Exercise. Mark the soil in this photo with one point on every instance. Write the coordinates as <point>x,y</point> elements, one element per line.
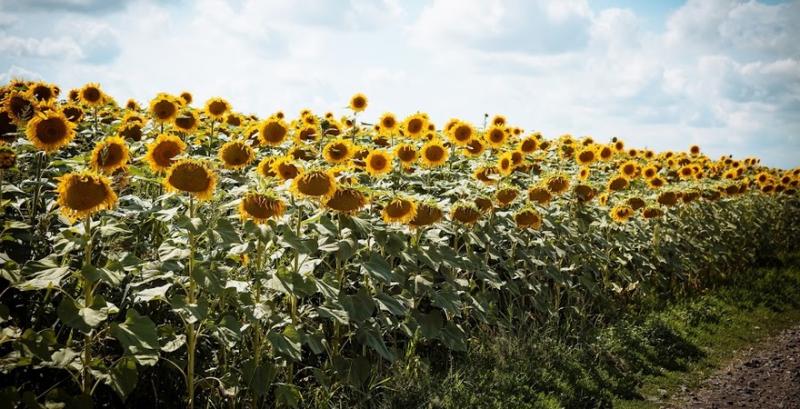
<point>765,376</point>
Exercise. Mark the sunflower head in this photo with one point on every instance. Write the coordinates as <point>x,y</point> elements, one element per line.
<point>540,194</point>
<point>161,152</point>
<point>465,212</point>
<point>415,126</point>
<point>73,112</point>
<point>164,108</point>
<point>557,184</point>
<point>694,150</point>
<point>338,151</point>
<point>81,194</point>
<point>347,200</point>
<point>187,121</point>
<point>484,204</point>
<point>528,145</point>
<point>584,173</point>
<point>486,174</point>
<point>621,213</point>
<point>656,182</point>
<point>236,154</point>
<point>506,196</point>
<point>91,95</point>
<point>399,210</point>
<point>273,131</point>
<point>629,169</point>
<point>20,106</point>
<point>358,102</point>
<point>528,218</point>
<point>8,158</point>
<point>110,154</point>
<point>284,168</point>
<point>586,156</point>
<point>498,120</point>
<point>650,171</point>
<point>314,183</point>
<point>474,147</point>
<point>49,131</point>
<point>406,153</point>
<point>461,133</point>
<point>8,129</point>
<point>618,183</point>
<point>191,176</point>
<point>433,153</point>
<point>505,164</point>
<point>584,193</point>
<point>43,92</point>
<point>187,98</point>
<point>260,207</point>
<point>495,136</point>
<point>668,198</point>
<point>427,214</point>
<point>652,213</point>
<point>635,203</point>
<point>378,162</point>
<point>216,108</point>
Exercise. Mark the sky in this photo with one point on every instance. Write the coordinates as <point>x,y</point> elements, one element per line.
<point>724,74</point>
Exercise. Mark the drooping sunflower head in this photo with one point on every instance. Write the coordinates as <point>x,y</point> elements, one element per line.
<point>110,154</point>
<point>8,129</point>
<point>399,210</point>
<point>635,203</point>
<point>415,126</point>
<point>486,174</point>
<point>461,133</point>
<point>652,213</point>
<point>82,194</point>
<point>484,204</point>
<point>406,153</point>
<point>216,108</point>
<point>495,136</point>
<point>621,213</point>
<point>528,218</point>
<point>347,200</point>
<point>236,154</point>
<point>265,169</point>
<point>191,176</point>
<point>91,95</point>
<point>164,108</point>
<point>427,214</point>
<point>161,152</point>
<point>233,119</point>
<point>20,106</point>
<point>474,147</point>
<point>339,150</point>
<point>187,121</point>
<point>433,153</point>
<point>273,131</point>
<point>617,183</point>
<point>130,130</point>
<point>506,195</point>
<point>73,112</point>
<point>285,168</point>
<point>49,131</point>
<point>465,212</point>
<point>557,184</point>
<point>584,193</point>
<point>315,183</point>
<point>540,194</point>
<point>378,162</point>
<point>668,198</point>
<point>358,102</point>
<point>260,207</point>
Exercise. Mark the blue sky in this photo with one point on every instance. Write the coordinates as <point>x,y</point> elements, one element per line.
<point>666,74</point>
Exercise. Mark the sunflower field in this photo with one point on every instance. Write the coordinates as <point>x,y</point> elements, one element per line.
<point>193,256</point>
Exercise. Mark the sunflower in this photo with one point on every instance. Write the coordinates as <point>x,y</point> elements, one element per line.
<point>49,131</point>
<point>132,105</point>
<point>300,152</point>
<point>260,207</point>
<point>216,108</point>
<point>528,145</point>
<point>498,120</point>
<point>406,153</point>
<point>314,183</point>
<point>8,158</point>
<point>399,210</point>
<point>164,108</point>
<point>388,124</point>
<point>110,154</point>
<point>347,200</point>
<point>474,147</point>
<point>630,169</point>
<point>358,102</point>
<point>584,173</point>
<point>465,212</point>
<point>130,130</point>
<point>461,133</point>
<point>162,151</point>
<point>540,194</point>
<point>652,212</point>
<point>285,168</point>
<point>505,164</point>
<point>686,172</point>
<point>621,213</point>
<point>650,171</point>
<point>233,119</point>
<point>236,154</point>
<point>272,132</point>
<point>81,194</point>
<point>338,151</point>
<point>557,184</point>
<point>415,126</point>
<point>668,198</point>
<point>20,106</point>
<point>506,196</point>
<point>604,152</point>
<point>694,150</point>
<point>484,204</point>
<point>378,162</point>
<point>618,183</point>
<point>187,121</point>
<point>486,174</point>
<point>584,193</point>
<point>528,217</point>
<point>73,113</point>
<point>191,176</point>
<point>427,214</point>
<point>8,129</point>
<point>434,153</point>
<point>656,182</point>
<point>265,168</point>
<point>91,95</point>
<point>586,156</point>
<point>495,136</point>
<point>307,133</point>
<point>635,203</point>
<point>43,92</point>
<point>187,98</point>
<point>691,196</point>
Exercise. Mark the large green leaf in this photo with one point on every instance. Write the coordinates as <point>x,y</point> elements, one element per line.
<point>138,337</point>
<point>81,318</point>
<point>123,377</point>
<point>287,343</point>
<point>379,269</point>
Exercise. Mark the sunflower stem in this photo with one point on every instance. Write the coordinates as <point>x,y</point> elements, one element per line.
<point>191,336</point>
<point>36,189</point>
<point>88,301</point>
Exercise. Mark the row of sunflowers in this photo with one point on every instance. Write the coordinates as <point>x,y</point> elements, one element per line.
<point>254,261</point>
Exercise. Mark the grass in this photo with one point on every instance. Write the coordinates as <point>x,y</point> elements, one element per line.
<point>638,361</point>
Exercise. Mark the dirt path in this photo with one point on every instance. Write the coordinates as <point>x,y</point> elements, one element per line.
<point>766,376</point>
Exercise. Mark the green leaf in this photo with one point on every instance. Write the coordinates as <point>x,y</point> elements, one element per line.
<point>287,343</point>
<point>287,395</point>
<point>379,269</point>
<point>258,377</point>
<point>430,324</point>
<point>389,303</point>
<point>123,377</point>
<point>190,312</point>
<point>373,339</point>
<point>334,314</point>
<point>42,274</point>
<point>138,337</point>
<point>81,318</point>
<point>359,307</point>
<point>64,357</point>
<point>154,293</point>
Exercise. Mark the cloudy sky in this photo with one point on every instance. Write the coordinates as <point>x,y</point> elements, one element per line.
<point>724,74</point>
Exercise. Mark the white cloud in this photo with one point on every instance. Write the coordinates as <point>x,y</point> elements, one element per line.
<point>64,47</point>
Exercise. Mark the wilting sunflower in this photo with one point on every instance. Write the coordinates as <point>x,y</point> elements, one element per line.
<point>415,126</point>
<point>338,151</point>
<point>621,213</point>
<point>314,183</point>
<point>461,133</point>
<point>233,119</point>
<point>586,156</point>
<point>399,210</point>
<point>110,154</point>
<point>8,129</point>
<point>506,196</point>
<point>265,169</point>
<point>81,194</point>
<point>378,162</point>
<point>406,153</point>
<point>486,174</point>
<point>484,204</point>
<point>191,176</point>
<point>474,147</point>
<point>465,212</point>
<point>20,106</point>
<point>656,182</point>
<point>618,183</point>
<point>528,217</point>
<point>347,200</point>
<point>652,212</point>
<point>91,95</point>
<point>668,198</point>
<point>272,132</point>
<point>495,136</point>
<point>427,214</point>
<point>8,158</point>
<point>236,154</point>
<point>584,193</point>
<point>433,153</point>
<point>540,194</point>
<point>635,203</point>
<point>162,151</point>
<point>285,168</point>
<point>260,207</point>
<point>187,121</point>
<point>164,108</point>
<point>557,184</point>
<point>130,130</point>
<point>358,102</point>
<point>216,108</point>
<point>49,131</point>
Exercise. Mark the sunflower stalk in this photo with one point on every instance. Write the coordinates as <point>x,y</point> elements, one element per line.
<point>191,335</point>
<point>36,189</point>
<point>88,301</point>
